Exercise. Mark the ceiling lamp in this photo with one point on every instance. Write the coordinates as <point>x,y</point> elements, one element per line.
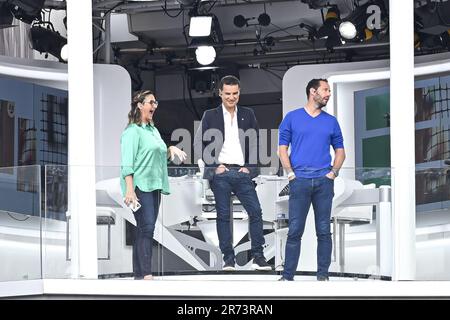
<point>205,55</point>
<point>358,25</point>
<point>347,30</point>
<point>200,26</point>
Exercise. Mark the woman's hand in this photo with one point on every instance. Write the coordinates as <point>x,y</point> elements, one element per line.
<point>130,197</point>
<point>174,151</point>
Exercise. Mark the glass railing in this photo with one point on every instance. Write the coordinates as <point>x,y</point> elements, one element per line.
<point>56,231</point>
<point>189,231</point>
<point>186,244</point>
<point>433,223</point>
<point>20,223</point>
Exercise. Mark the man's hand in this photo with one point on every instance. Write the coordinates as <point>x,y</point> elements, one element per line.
<point>221,169</point>
<point>330,175</point>
<point>244,169</point>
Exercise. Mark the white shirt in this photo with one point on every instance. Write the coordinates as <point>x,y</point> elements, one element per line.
<point>231,152</point>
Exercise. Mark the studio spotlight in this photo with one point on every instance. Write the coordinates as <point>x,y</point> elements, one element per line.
<point>6,17</point>
<point>329,30</point>
<point>205,55</point>
<point>347,30</point>
<point>49,41</point>
<point>264,19</point>
<point>433,17</point>
<point>430,41</point>
<point>200,80</point>
<point>355,24</point>
<point>26,10</point>
<point>329,25</point>
<point>200,26</point>
<point>446,39</point>
<point>240,21</point>
<point>65,52</point>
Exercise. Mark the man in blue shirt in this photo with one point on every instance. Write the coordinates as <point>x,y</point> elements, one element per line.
<point>310,132</point>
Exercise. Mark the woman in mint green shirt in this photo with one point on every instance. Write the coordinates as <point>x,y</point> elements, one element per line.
<point>144,175</point>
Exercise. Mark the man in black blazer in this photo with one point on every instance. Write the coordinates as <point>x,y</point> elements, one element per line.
<point>228,141</point>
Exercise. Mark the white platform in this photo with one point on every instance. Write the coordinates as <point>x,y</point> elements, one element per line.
<point>240,286</point>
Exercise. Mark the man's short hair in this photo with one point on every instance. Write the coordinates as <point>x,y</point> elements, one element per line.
<point>314,83</point>
<point>229,81</point>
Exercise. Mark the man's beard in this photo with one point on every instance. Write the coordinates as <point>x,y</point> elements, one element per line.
<point>320,104</point>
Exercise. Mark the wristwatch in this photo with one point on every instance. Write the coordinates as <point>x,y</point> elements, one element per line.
<point>335,172</point>
<point>290,174</point>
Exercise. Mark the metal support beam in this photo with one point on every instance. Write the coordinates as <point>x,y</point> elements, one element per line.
<point>82,202</point>
<point>108,38</point>
<point>401,27</point>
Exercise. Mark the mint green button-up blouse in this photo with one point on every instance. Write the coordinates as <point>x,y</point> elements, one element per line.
<point>144,155</point>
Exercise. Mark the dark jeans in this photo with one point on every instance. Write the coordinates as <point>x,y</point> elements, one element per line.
<point>243,187</point>
<point>145,226</point>
<point>303,192</point>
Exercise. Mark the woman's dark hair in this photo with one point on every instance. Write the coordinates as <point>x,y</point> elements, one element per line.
<point>134,116</point>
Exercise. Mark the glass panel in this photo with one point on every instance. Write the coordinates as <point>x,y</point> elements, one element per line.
<point>20,223</point>
<point>376,151</point>
<point>115,226</point>
<point>185,244</point>
<point>432,223</point>
<point>7,111</point>
<point>377,112</point>
<point>56,229</point>
<point>190,246</point>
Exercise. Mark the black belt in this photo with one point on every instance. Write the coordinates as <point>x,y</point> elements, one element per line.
<point>231,165</point>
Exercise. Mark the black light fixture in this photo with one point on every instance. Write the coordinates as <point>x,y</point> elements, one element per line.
<point>241,21</point>
<point>432,42</point>
<point>433,18</point>
<point>6,17</point>
<point>361,24</point>
<point>46,40</point>
<point>329,29</point>
<point>200,80</point>
<point>353,25</point>
<point>205,53</point>
<point>446,39</point>
<point>200,26</point>
<point>264,19</point>
<point>26,10</point>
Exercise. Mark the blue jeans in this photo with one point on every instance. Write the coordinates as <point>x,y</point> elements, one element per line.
<point>243,187</point>
<point>303,192</point>
<point>145,226</point>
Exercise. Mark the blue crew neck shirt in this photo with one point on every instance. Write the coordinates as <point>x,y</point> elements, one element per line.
<point>310,139</point>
